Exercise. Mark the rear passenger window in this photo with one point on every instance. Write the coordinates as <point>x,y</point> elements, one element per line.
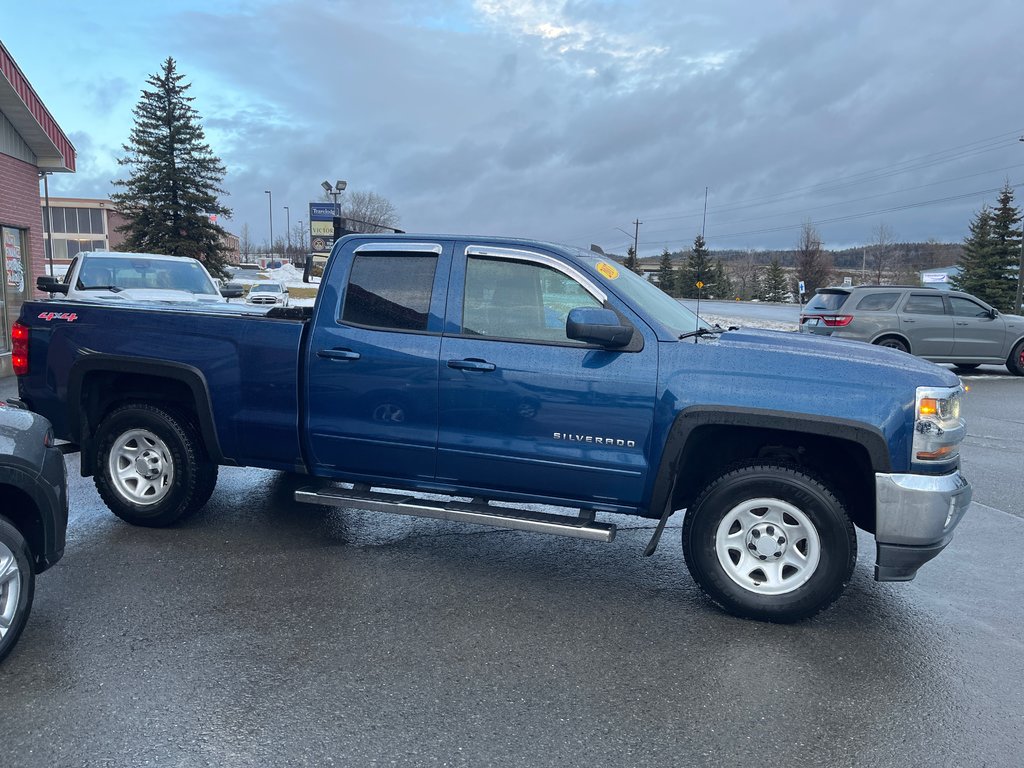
<point>390,291</point>
<point>877,302</point>
<point>924,304</point>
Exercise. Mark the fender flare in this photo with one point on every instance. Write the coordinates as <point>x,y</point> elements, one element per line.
<point>696,416</point>
<point>188,375</point>
<point>44,502</point>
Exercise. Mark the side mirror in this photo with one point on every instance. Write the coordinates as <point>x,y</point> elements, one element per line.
<point>51,284</point>
<point>597,326</point>
<point>314,268</point>
<point>232,291</point>
<point>993,313</point>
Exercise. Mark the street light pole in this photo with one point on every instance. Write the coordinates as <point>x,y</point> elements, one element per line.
<point>1020,268</point>
<point>270,204</point>
<point>288,231</point>
<point>49,223</point>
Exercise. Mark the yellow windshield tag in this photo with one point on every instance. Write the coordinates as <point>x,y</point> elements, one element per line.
<point>607,270</point>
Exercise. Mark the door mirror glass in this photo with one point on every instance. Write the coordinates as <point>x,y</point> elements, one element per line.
<point>597,326</point>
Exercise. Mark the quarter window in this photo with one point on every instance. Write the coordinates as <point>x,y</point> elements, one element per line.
<point>924,304</point>
<point>510,299</point>
<point>390,291</point>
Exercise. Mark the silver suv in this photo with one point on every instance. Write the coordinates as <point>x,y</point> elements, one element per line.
<point>941,326</point>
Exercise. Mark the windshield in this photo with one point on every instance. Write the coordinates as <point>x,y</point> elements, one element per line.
<point>267,287</point>
<point>647,297</point>
<point>124,273</point>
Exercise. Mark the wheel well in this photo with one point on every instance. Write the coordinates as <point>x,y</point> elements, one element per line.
<point>897,336</point>
<point>844,465</point>
<point>22,512</point>
<point>102,391</point>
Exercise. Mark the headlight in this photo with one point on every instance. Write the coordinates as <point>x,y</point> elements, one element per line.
<point>938,428</point>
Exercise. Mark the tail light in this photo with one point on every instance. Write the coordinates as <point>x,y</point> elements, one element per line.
<point>19,349</point>
<point>832,321</point>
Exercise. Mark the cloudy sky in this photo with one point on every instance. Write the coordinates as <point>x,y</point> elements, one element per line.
<point>562,120</point>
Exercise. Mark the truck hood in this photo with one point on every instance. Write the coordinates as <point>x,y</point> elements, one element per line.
<point>821,357</point>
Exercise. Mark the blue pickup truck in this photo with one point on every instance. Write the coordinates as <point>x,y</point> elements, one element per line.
<point>502,374</point>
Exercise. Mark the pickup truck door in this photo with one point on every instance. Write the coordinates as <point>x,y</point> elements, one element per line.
<point>372,361</point>
<point>525,410</point>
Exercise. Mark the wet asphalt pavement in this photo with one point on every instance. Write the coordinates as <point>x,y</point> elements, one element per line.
<point>265,632</point>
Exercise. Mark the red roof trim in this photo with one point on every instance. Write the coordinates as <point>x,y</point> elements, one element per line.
<point>36,107</point>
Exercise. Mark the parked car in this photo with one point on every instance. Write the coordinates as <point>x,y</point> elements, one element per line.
<point>146,277</point>
<point>941,326</point>
<point>274,294</point>
<point>33,514</point>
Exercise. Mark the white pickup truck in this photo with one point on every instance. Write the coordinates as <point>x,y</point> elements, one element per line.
<point>134,277</point>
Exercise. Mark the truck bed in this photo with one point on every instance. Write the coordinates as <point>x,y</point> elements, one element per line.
<point>249,359</point>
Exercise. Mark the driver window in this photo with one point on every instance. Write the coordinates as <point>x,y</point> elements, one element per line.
<point>510,299</point>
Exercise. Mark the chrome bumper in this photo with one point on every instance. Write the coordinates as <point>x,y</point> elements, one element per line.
<point>915,518</point>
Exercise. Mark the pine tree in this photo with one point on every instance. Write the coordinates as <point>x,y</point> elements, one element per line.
<point>631,262</point>
<point>975,261</point>
<point>698,269</point>
<point>773,284</point>
<point>1005,252</point>
<point>667,273</point>
<point>174,179</point>
<point>722,284</point>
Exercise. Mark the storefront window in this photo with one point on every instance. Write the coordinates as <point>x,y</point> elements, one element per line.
<point>14,256</point>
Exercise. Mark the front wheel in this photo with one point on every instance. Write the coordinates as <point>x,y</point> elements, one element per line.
<point>17,585</point>
<point>151,466</point>
<point>1015,362</point>
<point>768,541</point>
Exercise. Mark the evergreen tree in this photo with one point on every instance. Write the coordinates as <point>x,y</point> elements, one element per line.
<point>1005,252</point>
<point>698,269</point>
<point>721,283</point>
<point>631,262</point>
<point>773,285</point>
<point>667,274</point>
<point>174,179</point>
<point>975,261</point>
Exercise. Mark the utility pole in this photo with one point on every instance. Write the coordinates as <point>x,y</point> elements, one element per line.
<point>705,219</point>
<point>1020,269</point>
<point>288,228</point>
<point>636,240</point>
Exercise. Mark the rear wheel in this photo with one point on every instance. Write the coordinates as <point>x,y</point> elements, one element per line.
<point>967,366</point>
<point>768,541</point>
<point>17,585</point>
<point>151,466</point>
<point>1015,362</point>
<point>891,342</point>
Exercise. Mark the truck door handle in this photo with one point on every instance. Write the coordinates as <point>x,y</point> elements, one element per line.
<point>961,322</point>
<point>471,364</point>
<point>338,354</point>
<point>908,320</point>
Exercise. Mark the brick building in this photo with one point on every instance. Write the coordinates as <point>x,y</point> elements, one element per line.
<point>31,144</point>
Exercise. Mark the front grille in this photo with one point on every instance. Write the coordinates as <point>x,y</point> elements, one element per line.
<point>264,300</point>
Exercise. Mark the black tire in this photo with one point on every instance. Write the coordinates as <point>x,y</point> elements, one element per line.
<point>966,366</point>
<point>1015,362</point>
<point>17,585</point>
<point>169,445</point>
<point>792,496</point>
<point>890,342</point>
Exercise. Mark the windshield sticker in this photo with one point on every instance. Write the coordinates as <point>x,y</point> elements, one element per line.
<point>607,270</point>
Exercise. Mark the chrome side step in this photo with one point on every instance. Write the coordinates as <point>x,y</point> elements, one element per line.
<point>582,527</point>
